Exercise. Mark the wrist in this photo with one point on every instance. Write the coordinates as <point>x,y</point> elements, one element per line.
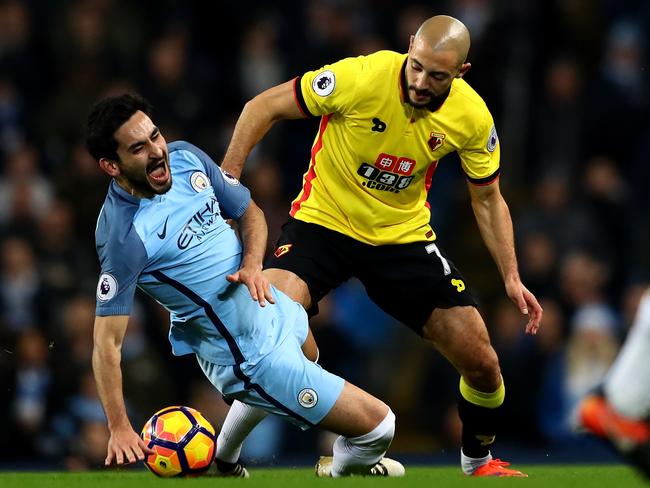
<point>252,263</point>
<point>512,278</point>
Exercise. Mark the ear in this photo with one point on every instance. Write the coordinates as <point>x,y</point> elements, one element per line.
<point>411,42</point>
<point>463,69</point>
<point>109,167</point>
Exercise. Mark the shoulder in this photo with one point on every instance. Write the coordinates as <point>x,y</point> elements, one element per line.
<point>184,150</point>
<point>472,102</point>
<point>381,62</point>
<point>115,221</point>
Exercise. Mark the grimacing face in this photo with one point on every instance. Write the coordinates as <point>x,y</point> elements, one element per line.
<point>429,72</point>
<point>144,158</point>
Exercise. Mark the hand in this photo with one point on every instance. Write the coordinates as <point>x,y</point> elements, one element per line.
<point>256,282</point>
<point>125,447</point>
<point>527,303</point>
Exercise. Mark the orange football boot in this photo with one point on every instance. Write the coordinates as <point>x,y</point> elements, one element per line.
<point>496,467</point>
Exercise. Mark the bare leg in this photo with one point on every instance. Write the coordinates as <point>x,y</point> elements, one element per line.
<point>355,413</point>
<point>460,335</point>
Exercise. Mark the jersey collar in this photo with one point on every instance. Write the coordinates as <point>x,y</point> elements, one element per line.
<point>122,193</point>
<point>433,105</point>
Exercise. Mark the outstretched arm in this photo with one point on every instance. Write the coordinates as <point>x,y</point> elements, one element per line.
<point>495,224</point>
<point>254,232</point>
<point>255,121</point>
<point>124,445</point>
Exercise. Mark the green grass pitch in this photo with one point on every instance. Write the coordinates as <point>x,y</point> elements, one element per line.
<point>547,476</point>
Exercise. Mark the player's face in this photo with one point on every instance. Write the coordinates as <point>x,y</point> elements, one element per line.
<point>144,160</point>
<point>429,73</point>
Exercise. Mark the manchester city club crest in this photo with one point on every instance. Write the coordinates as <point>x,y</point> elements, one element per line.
<point>199,181</point>
<point>307,398</point>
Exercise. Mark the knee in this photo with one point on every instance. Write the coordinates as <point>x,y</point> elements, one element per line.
<point>484,374</point>
<point>379,438</point>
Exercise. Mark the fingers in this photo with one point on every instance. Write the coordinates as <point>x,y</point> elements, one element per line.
<point>267,292</point>
<point>119,457</point>
<point>257,284</point>
<point>128,454</point>
<point>521,303</point>
<point>536,314</point>
<point>258,293</point>
<point>146,449</point>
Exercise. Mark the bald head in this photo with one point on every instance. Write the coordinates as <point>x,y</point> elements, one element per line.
<point>444,33</point>
<point>437,55</point>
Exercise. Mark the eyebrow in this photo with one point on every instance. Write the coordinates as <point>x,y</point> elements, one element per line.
<point>139,143</point>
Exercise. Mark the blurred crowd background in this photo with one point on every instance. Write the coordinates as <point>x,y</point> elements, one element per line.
<point>567,83</point>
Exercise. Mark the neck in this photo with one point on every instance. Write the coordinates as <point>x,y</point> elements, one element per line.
<point>127,186</point>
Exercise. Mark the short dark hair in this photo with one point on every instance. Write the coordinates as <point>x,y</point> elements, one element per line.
<point>108,115</point>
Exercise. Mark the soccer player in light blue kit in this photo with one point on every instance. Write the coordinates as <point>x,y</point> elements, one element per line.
<point>162,229</point>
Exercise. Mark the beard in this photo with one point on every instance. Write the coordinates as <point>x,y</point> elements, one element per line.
<point>420,93</point>
<point>144,183</point>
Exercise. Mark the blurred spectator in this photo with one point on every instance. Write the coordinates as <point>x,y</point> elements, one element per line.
<point>539,263</point>
<point>583,280</point>
<point>619,92</point>
<point>59,253</point>
<point>260,64</point>
<point>23,299</point>
<point>176,84</point>
<point>83,186</point>
<point>12,118</point>
<point>25,192</point>
<point>557,213</point>
<point>559,118</point>
<point>30,392</point>
<point>591,349</point>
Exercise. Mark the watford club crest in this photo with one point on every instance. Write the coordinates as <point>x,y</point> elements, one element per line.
<point>282,250</point>
<point>436,139</point>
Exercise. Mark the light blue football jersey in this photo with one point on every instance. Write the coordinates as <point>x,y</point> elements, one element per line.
<point>178,248</point>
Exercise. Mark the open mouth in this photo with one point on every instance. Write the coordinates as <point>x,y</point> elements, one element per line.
<point>158,172</point>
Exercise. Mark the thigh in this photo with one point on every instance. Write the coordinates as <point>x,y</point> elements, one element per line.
<point>312,254</point>
<point>284,383</point>
<point>409,281</point>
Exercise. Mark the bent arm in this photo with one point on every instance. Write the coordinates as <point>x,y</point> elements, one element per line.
<point>254,232</point>
<point>256,119</point>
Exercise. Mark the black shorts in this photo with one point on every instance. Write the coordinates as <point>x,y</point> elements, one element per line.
<point>407,281</point>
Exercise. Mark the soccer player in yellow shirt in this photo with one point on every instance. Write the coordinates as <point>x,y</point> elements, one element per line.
<point>386,119</point>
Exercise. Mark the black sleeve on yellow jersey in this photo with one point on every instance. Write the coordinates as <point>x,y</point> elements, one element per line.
<point>300,99</point>
<point>488,180</point>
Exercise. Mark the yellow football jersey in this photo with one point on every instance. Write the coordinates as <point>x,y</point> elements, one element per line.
<point>375,154</point>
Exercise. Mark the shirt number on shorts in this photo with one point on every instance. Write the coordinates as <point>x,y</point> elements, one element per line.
<point>445,264</point>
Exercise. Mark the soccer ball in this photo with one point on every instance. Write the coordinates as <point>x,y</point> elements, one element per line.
<point>183,439</point>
